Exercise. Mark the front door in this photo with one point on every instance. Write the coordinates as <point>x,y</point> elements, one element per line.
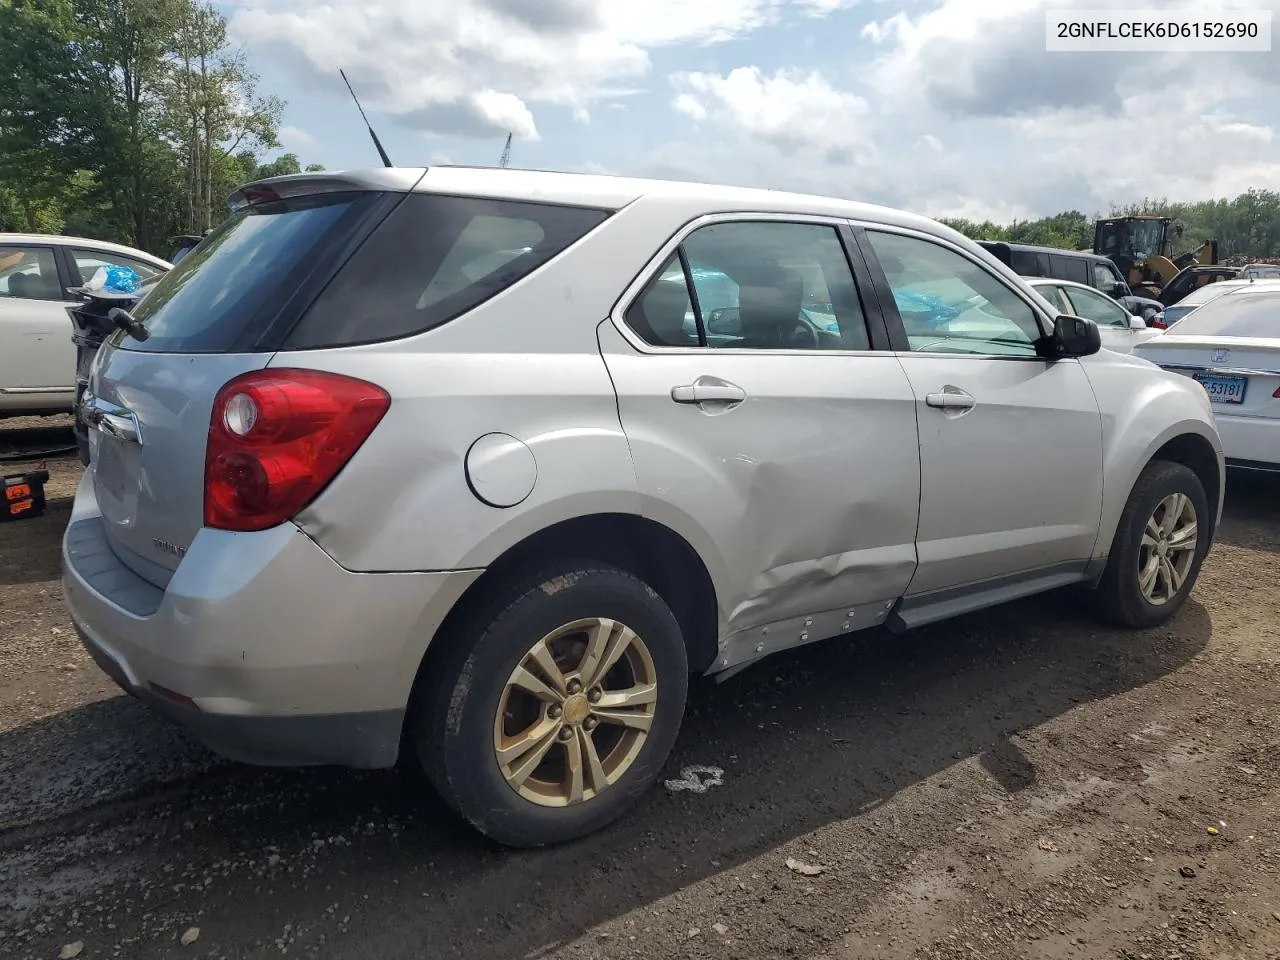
<point>1010,444</point>
<point>766,431</point>
<point>38,356</point>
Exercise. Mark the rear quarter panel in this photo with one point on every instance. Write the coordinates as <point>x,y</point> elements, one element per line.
<point>525,363</point>
<point>1143,408</point>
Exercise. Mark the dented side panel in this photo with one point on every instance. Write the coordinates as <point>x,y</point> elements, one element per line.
<point>803,499</point>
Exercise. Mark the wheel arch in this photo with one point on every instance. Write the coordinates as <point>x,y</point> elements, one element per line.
<point>1188,443</point>
<point>644,548</point>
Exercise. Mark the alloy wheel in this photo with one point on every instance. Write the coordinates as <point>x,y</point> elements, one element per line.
<point>1168,549</point>
<point>576,712</point>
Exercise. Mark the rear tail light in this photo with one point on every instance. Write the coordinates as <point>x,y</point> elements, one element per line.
<point>1276,395</point>
<point>1158,322</point>
<point>276,440</point>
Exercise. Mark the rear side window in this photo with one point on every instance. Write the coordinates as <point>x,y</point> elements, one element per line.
<point>1027,264</point>
<point>433,259</point>
<point>1071,268</point>
<point>219,298</point>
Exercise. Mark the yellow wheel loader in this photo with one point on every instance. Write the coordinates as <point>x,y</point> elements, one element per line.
<point>1142,247</point>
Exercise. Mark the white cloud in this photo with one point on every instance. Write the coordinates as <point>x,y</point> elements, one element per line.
<point>292,136</point>
<point>425,62</point>
<point>1047,131</point>
<point>792,111</point>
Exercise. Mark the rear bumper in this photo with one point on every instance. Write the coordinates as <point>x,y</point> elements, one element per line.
<point>1250,442</point>
<point>260,645</point>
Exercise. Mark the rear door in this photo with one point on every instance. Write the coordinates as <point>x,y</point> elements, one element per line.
<point>774,437</point>
<point>1010,444</point>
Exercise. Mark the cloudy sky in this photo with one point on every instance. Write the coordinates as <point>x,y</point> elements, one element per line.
<point>946,107</point>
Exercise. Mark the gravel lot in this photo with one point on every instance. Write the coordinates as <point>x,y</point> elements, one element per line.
<point>1018,783</point>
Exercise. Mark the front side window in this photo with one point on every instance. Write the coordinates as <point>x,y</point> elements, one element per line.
<point>1096,307</point>
<point>755,285</point>
<point>1053,293</point>
<point>1105,278</point>
<point>28,273</point>
<point>950,304</point>
<point>88,262</point>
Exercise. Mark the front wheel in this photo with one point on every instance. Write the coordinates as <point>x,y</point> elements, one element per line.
<point>548,721</point>
<point>1160,543</point>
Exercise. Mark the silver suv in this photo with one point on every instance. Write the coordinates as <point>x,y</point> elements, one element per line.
<point>486,463</point>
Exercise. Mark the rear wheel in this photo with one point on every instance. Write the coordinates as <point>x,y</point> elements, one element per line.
<point>549,720</point>
<point>1159,546</point>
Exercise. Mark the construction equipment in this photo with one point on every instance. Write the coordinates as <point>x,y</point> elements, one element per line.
<point>1142,247</point>
<point>506,154</point>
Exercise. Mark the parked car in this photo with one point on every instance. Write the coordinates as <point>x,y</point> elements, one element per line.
<point>1078,266</point>
<point>342,500</point>
<point>1119,328</point>
<point>1260,271</point>
<point>1231,346</point>
<point>1196,299</point>
<point>1196,278</point>
<point>38,362</point>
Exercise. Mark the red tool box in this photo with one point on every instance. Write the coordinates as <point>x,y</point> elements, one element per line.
<point>22,494</point>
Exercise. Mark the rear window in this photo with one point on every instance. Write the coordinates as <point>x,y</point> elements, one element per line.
<point>434,258</point>
<point>223,294</point>
<point>1243,314</point>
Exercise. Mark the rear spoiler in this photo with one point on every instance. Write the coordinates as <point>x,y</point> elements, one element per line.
<point>390,180</point>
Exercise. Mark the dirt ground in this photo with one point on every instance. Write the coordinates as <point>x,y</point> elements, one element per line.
<point>1017,783</point>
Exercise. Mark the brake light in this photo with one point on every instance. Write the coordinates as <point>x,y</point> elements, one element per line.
<point>276,440</point>
<point>1158,322</point>
<point>1276,395</point>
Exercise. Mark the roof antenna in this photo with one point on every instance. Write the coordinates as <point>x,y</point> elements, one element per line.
<point>386,161</point>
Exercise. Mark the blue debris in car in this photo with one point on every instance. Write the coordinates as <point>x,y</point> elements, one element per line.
<point>113,278</point>
<point>937,310</point>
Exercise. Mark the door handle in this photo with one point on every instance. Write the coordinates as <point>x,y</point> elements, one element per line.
<point>950,400</point>
<point>708,391</point>
<point>110,419</point>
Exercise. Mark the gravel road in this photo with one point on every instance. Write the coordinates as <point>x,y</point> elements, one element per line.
<point>1017,783</point>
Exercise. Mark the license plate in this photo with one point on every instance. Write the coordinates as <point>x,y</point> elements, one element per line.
<point>1222,389</point>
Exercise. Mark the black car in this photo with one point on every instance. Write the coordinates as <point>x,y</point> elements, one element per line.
<point>1093,270</point>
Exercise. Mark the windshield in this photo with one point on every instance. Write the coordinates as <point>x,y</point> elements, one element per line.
<point>1132,238</point>
<point>1247,314</point>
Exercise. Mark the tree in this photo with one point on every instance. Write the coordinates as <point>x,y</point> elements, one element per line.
<point>214,110</point>
<point>127,120</point>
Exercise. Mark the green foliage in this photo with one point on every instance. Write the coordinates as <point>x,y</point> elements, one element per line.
<point>127,120</point>
<point>1245,227</point>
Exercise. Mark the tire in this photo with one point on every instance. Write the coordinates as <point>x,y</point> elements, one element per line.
<point>457,735</point>
<point>1120,597</point>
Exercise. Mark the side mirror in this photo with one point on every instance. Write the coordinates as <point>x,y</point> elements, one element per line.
<point>1071,337</point>
<point>1137,323</point>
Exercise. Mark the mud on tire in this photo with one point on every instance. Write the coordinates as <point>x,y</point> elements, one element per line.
<point>1156,554</point>
<point>530,758</point>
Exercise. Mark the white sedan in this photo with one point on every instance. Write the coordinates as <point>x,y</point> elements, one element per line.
<point>37,357</point>
<point>1231,345</point>
<point>1120,329</point>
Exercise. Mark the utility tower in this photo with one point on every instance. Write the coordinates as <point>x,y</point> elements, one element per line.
<point>506,153</point>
